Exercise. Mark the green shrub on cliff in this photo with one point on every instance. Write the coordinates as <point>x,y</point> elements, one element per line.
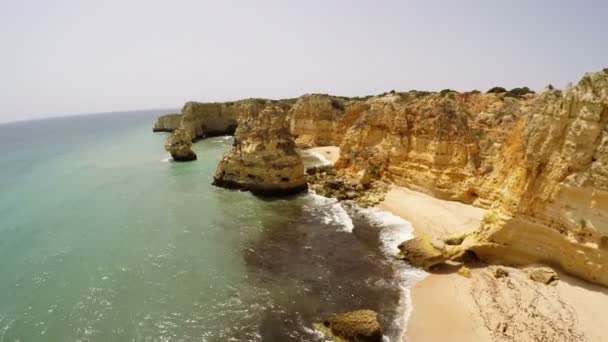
<point>519,92</point>
<point>496,90</point>
<point>337,104</point>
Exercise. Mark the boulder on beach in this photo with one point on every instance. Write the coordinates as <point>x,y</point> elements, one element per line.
<point>544,275</point>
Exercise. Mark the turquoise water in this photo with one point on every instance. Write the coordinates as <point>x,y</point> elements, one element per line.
<point>102,238</point>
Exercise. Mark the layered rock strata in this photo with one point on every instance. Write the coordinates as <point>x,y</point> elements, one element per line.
<point>322,120</point>
<point>264,158</point>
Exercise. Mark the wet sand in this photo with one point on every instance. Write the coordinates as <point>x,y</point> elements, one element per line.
<point>450,307</point>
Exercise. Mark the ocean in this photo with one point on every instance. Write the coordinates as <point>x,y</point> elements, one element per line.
<point>104,238</point>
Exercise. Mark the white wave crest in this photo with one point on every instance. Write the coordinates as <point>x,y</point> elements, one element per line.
<point>166,160</point>
<point>331,212</point>
<point>393,231</point>
<point>324,161</point>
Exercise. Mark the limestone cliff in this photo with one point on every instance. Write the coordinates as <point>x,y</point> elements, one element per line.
<point>264,158</point>
<point>551,185</point>
<point>538,162</point>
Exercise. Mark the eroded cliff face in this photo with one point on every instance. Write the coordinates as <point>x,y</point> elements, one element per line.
<point>167,123</point>
<point>543,172</point>
<point>552,185</point>
<point>440,144</point>
<point>264,158</point>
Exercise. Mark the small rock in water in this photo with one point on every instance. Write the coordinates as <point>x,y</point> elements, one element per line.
<point>356,326</point>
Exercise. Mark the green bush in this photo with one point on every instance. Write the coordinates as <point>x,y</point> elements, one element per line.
<point>496,90</point>
<point>337,104</point>
<point>447,91</point>
<point>519,92</point>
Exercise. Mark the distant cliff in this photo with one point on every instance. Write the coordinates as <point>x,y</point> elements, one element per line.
<point>167,123</point>
<point>539,162</point>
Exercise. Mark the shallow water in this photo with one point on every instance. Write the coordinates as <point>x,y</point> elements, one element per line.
<point>103,238</point>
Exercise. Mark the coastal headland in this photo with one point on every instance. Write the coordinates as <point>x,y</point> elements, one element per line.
<point>507,192</point>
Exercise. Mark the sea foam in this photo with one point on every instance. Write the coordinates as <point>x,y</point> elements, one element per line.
<point>324,161</point>
<point>393,231</point>
<point>331,211</point>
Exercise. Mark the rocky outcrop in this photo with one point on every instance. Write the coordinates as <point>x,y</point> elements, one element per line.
<point>167,123</point>
<point>264,158</point>
<point>544,275</point>
<point>355,326</point>
<point>323,180</point>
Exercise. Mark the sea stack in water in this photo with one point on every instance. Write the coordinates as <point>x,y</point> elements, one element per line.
<point>179,144</point>
<point>264,158</point>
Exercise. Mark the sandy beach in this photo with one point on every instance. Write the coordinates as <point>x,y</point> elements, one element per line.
<point>451,307</point>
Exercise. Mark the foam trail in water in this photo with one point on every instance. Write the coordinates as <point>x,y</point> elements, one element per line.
<point>393,231</point>
<point>332,212</point>
<point>166,160</point>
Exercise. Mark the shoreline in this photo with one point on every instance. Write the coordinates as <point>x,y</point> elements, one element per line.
<point>483,307</point>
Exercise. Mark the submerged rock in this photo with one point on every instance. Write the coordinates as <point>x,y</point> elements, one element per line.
<point>264,158</point>
<point>356,326</point>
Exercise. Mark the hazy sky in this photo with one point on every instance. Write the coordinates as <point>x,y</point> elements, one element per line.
<point>61,57</point>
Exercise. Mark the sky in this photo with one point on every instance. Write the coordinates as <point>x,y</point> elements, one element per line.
<point>64,57</point>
